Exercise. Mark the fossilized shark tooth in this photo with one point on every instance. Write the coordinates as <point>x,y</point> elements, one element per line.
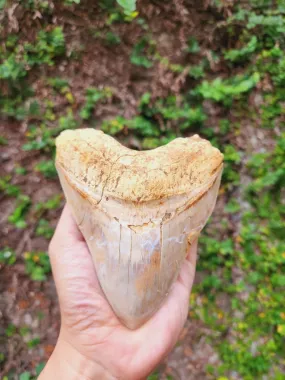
<point>138,210</point>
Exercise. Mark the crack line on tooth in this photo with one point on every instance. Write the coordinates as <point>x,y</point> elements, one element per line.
<point>177,266</point>
<point>120,244</point>
<point>129,262</point>
<point>134,226</point>
<point>82,220</point>
<point>109,175</point>
<point>161,256</point>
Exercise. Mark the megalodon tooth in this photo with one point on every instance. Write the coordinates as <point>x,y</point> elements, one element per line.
<point>139,211</point>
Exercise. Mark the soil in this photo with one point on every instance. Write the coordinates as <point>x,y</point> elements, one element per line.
<point>34,304</point>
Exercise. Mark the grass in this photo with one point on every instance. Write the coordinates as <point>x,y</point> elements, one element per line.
<point>243,259</point>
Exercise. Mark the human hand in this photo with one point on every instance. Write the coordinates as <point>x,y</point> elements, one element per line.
<point>93,343</point>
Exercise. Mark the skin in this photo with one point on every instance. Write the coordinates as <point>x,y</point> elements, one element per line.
<point>93,343</point>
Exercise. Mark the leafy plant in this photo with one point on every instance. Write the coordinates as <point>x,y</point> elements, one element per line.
<point>25,376</point>
<point>129,6</point>
<point>33,342</point>
<point>2,4</point>
<point>12,69</point>
<point>44,229</point>
<point>51,204</point>
<point>112,38</point>
<point>42,137</point>
<point>2,357</point>
<point>17,217</point>
<point>154,142</point>
<point>93,96</point>
<point>226,91</point>
<point>236,55</point>
<point>20,170</point>
<point>3,140</point>
<point>197,71</point>
<point>24,330</point>
<point>114,126</point>
<point>37,265</point>
<point>39,368</point>
<point>193,45</point>
<point>10,330</point>
<point>7,188</point>
<point>48,46</point>
<point>188,116</point>
<point>47,168</point>
<point>138,56</point>
<point>71,2</point>
<point>7,256</point>
<point>58,84</point>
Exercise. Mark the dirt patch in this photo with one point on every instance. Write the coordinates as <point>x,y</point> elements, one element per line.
<point>32,306</point>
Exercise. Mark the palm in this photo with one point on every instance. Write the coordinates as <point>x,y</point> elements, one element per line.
<point>88,321</point>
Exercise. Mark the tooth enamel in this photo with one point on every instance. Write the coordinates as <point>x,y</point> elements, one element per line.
<point>138,211</point>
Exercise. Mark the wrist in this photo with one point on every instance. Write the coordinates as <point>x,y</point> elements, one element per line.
<point>66,363</point>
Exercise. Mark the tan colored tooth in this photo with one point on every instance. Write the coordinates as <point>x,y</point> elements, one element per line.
<point>138,211</point>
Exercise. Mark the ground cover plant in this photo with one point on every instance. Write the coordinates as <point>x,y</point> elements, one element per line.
<point>146,72</point>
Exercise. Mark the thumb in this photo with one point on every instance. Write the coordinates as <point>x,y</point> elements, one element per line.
<point>71,262</point>
<point>82,302</point>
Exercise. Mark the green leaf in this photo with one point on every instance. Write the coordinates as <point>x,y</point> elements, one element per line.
<point>10,330</point>
<point>93,96</point>
<point>244,53</point>
<point>34,109</point>
<point>58,83</point>
<point>22,205</point>
<point>278,280</point>
<point>47,168</point>
<point>39,368</point>
<point>12,69</point>
<point>153,376</point>
<point>33,342</point>
<point>24,331</point>
<point>142,126</point>
<point>44,229</point>
<point>2,357</point>
<point>2,4</point>
<point>129,6</point>
<point>138,55</point>
<point>281,329</point>
<point>8,188</point>
<point>226,90</point>
<point>114,126</point>
<point>3,140</point>
<point>193,46</point>
<point>233,206</point>
<point>25,376</point>
<point>38,274</point>
<point>197,71</point>
<point>20,170</point>
<point>7,256</point>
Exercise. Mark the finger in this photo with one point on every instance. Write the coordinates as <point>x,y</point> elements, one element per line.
<point>67,233</point>
<point>68,250</point>
<point>80,295</point>
<point>70,258</point>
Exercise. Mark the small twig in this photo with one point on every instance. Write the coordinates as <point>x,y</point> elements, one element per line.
<point>180,80</point>
<point>12,353</point>
<point>26,239</point>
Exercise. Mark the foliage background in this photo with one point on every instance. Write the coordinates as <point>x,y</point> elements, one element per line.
<point>147,73</point>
